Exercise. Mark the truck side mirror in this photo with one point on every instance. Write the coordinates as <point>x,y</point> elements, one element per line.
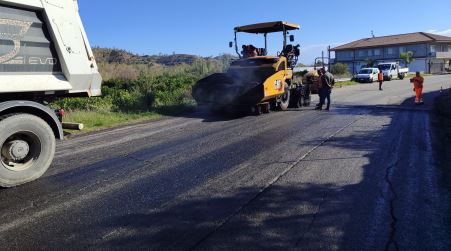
<point>230,44</point>
<point>291,38</point>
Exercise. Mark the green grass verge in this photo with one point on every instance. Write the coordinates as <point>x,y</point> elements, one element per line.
<point>98,120</point>
<point>101,120</point>
<point>345,83</point>
<point>411,75</point>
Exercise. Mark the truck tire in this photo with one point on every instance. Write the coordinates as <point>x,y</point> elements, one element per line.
<point>295,97</point>
<point>285,98</point>
<point>401,76</point>
<point>257,110</point>
<point>307,96</point>
<point>27,147</point>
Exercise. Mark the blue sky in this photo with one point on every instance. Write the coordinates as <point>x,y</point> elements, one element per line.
<point>202,27</point>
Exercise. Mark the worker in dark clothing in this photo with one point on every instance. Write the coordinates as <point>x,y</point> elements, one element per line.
<point>327,82</point>
<point>320,93</point>
<point>380,78</point>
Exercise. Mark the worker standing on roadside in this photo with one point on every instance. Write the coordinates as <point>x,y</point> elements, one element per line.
<point>380,78</point>
<point>418,81</point>
<point>320,93</point>
<point>327,82</point>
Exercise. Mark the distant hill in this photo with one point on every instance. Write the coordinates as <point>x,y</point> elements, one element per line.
<point>111,56</point>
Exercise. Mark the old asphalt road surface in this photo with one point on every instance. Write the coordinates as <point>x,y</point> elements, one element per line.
<point>360,177</point>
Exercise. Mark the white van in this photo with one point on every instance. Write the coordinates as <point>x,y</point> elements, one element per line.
<point>367,75</point>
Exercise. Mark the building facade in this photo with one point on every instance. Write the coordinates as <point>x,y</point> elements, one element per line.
<point>431,53</point>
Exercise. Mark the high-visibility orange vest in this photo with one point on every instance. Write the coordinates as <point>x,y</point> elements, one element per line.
<point>380,76</point>
<point>418,82</point>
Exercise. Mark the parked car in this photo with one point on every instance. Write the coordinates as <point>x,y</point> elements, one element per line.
<point>393,71</point>
<point>367,75</point>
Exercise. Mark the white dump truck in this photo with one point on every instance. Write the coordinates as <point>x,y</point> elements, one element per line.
<point>44,54</point>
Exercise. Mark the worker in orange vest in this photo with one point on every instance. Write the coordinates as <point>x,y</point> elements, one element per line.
<point>380,78</point>
<point>418,81</point>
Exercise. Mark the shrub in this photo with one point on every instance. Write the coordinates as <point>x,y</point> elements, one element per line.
<point>134,101</point>
<point>86,104</point>
<point>340,69</point>
<point>144,87</point>
<point>119,71</point>
<point>171,90</point>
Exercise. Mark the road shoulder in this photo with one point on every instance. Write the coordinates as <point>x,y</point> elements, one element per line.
<point>441,126</point>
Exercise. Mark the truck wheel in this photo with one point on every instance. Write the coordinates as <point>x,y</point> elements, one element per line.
<point>401,76</point>
<point>307,96</point>
<point>295,95</point>
<point>266,108</point>
<point>27,146</point>
<point>257,110</point>
<point>285,99</point>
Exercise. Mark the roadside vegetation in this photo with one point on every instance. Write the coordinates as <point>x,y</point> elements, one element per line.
<point>345,83</point>
<point>138,88</point>
<point>135,90</point>
<point>340,70</point>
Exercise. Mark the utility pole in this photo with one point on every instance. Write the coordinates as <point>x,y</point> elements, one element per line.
<point>322,58</point>
<point>328,61</point>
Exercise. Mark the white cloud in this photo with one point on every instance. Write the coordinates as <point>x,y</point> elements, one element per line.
<point>446,32</point>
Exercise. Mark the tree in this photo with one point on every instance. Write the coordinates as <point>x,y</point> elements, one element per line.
<point>370,62</point>
<point>340,69</point>
<point>319,63</point>
<point>407,57</point>
<point>301,65</point>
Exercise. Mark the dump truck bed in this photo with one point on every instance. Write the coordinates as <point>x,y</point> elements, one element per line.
<point>44,49</point>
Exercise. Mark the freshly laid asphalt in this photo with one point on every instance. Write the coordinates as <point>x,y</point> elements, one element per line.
<point>362,176</point>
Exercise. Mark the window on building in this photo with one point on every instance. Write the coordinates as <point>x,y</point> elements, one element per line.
<point>370,53</point>
<point>390,51</point>
<point>433,48</point>
<point>361,53</point>
<point>449,48</point>
<point>352,53</point>
<point>402,49</point>
<point>377,52</point>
